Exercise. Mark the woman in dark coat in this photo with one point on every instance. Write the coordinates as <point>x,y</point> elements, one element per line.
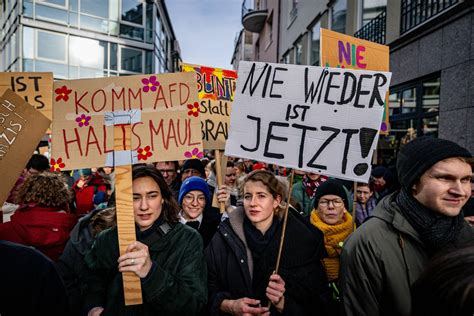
<point>167,257</point>
<point>242,255</point>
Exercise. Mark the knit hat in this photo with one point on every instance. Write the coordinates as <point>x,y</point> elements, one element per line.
<point>421,154</point>
<point>195,164</point>
<point>84,172</point>
<point>191,184</point>
<point>332,187</point>
<point>378,172</point>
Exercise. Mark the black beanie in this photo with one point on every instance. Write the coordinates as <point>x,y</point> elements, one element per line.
<point>421,154</point>
<point>332,187</point>
<point>195,164</point>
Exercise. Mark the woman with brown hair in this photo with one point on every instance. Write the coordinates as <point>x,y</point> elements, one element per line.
<point>167,257</point>
<point>43,219</point>
<point>242,256</point>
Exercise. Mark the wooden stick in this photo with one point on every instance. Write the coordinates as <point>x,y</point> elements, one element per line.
<point>125,218</point>
<point>283,230</point>
<point>219,177</point>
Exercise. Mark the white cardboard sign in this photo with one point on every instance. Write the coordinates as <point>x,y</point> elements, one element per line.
<point>316,119</point>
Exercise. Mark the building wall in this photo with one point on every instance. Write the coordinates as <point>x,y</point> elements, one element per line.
<point>267,39</point>
<point>448,50</point>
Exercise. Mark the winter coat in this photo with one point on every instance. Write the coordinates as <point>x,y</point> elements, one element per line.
<point>299,194</point>
<point>45,228</point>
<point>176,284</point>
<point>84,197</point>
<point>231,267</point>
<point>71,266</point>
<point>208,226</point>
<point>381,260</point>
<point>30,284</point>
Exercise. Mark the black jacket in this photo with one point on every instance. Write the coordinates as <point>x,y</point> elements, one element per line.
<point>208,228</point>
<point>231,267</point>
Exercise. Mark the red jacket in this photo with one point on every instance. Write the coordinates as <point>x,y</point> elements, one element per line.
<point>84,196</point>
<point>44,228</point>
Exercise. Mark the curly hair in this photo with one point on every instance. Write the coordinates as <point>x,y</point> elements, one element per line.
<point>103,219</point>
<point>274,186</point>
<point>46,188</point>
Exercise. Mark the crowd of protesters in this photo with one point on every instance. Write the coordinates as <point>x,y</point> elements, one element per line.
<point>375,248</point>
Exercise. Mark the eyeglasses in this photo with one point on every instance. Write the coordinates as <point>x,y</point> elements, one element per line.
<point>189,198</point>
<point>168,171</point>
<point>335,202</point>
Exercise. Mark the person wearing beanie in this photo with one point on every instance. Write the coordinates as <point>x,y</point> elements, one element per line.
<point>330,216</point>
<point>192,167</point>
<point>89,191</point>
<point>386,255</point>
<point>304,191</point>
<point>194,197</point>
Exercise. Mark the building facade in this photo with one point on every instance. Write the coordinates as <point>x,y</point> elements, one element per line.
<point>431,58</point>
<point>87,38</point>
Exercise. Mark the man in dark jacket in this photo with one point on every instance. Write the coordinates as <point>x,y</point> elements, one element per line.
<point>382,259</point>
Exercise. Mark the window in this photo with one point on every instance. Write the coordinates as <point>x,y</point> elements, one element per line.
<point>299,52</point>
<point>94,7</point>
<point>59,3</point>
<point>51,14</point>
<point>371,8</point>
<point>53,46</point>
<point>338,16</point>
<point>132,11</point>
<point>315,44</point>
<point>28,43</point>
<point>293,10</point>
<point>131,60</point>
<point>86,52</point>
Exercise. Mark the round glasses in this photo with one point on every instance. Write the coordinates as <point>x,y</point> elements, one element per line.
<point>335,202</point>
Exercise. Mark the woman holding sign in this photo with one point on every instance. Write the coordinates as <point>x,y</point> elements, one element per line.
<point>242,256</point>
<point>167,257</point>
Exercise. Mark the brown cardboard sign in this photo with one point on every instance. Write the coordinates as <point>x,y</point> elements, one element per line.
<point>165,123</point>
<point>21,129</point>
<point>35,87</point>
<point>216,89</point>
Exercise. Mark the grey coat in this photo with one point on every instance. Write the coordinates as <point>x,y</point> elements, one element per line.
<point>381,260</point>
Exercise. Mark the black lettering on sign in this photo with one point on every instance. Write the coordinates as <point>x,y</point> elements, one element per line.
<point>329,86</point>
<point>296,113</point>
<point>366,138</point>
<point>271,136</point>
<point>258,119</point>
<point>345,86</point>
<point>274,82</point>
<point>311,91</point>
<point>252,87</point>
<point>360,91</point>
<point>336,132</point>
<point>349,133</point>
<point>304,128</point>
<point>376,92</point>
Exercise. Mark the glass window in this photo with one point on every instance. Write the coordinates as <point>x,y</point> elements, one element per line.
<point>315,44</point>
<point>149,62</point>
<point>114,10</point>
<point>94,7</point>
<point>338,16</point>
<point>131,60</point>
<point>298,52</point>
<point>430,126</point>
<point>73,5</point>
<point>53,46</point>
<point>113,56</point>
<point>60,71</point>
<point>132,11</point>
<point>28,43</point>
<point>51,14</point>
<point>28,65</point>
<point>61,3</point>
<point>394,104</point>
<point>87,52</point>
<point>149,17</point>
<point>286,58</point>
<point>131,32</point>
<point>73,19</point>
<point>409,100</point>
<point>372,8</point>
<point>94,24</point>
<point>28,9</point>
<point>431,89</point>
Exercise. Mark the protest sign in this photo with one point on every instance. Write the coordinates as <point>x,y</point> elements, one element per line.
<point>35,87</point>
<point>160,108</point>
<point>216,93</point>
<point>21,129</point>
<point>323,120</point>
<point>344,51</point>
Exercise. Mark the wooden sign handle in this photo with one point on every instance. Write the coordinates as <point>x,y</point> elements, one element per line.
<point>219,176</point>
<point>125,218</point>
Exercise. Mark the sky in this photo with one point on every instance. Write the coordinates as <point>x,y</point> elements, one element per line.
<point>206,30</point>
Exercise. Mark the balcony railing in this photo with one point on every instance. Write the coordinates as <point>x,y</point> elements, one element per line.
<point>375,30</point>
<point>253,18</point>
<point>415,12</point>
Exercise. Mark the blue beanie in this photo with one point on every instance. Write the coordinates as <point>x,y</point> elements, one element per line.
<point>191,184</point>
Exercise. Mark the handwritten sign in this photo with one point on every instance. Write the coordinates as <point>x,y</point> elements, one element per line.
<point>323,120</point>
<point>216,93</point>
<point>35,87</point>
<point>344,51</point>
<point>21,129</point>
<point>160,109</point>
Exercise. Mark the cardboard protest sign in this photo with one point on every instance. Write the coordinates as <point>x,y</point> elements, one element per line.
<point>21,129</point>
<point>344,51</point>
<point>323,120</point>
<point>161,109</point>
<point>35,87</point>
<point>216,92</point>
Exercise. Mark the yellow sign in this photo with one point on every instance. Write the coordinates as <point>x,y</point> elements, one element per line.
<point>216,92</point>
<point>344,51</point>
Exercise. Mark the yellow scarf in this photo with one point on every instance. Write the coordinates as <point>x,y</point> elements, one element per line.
<point>334,236</point>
